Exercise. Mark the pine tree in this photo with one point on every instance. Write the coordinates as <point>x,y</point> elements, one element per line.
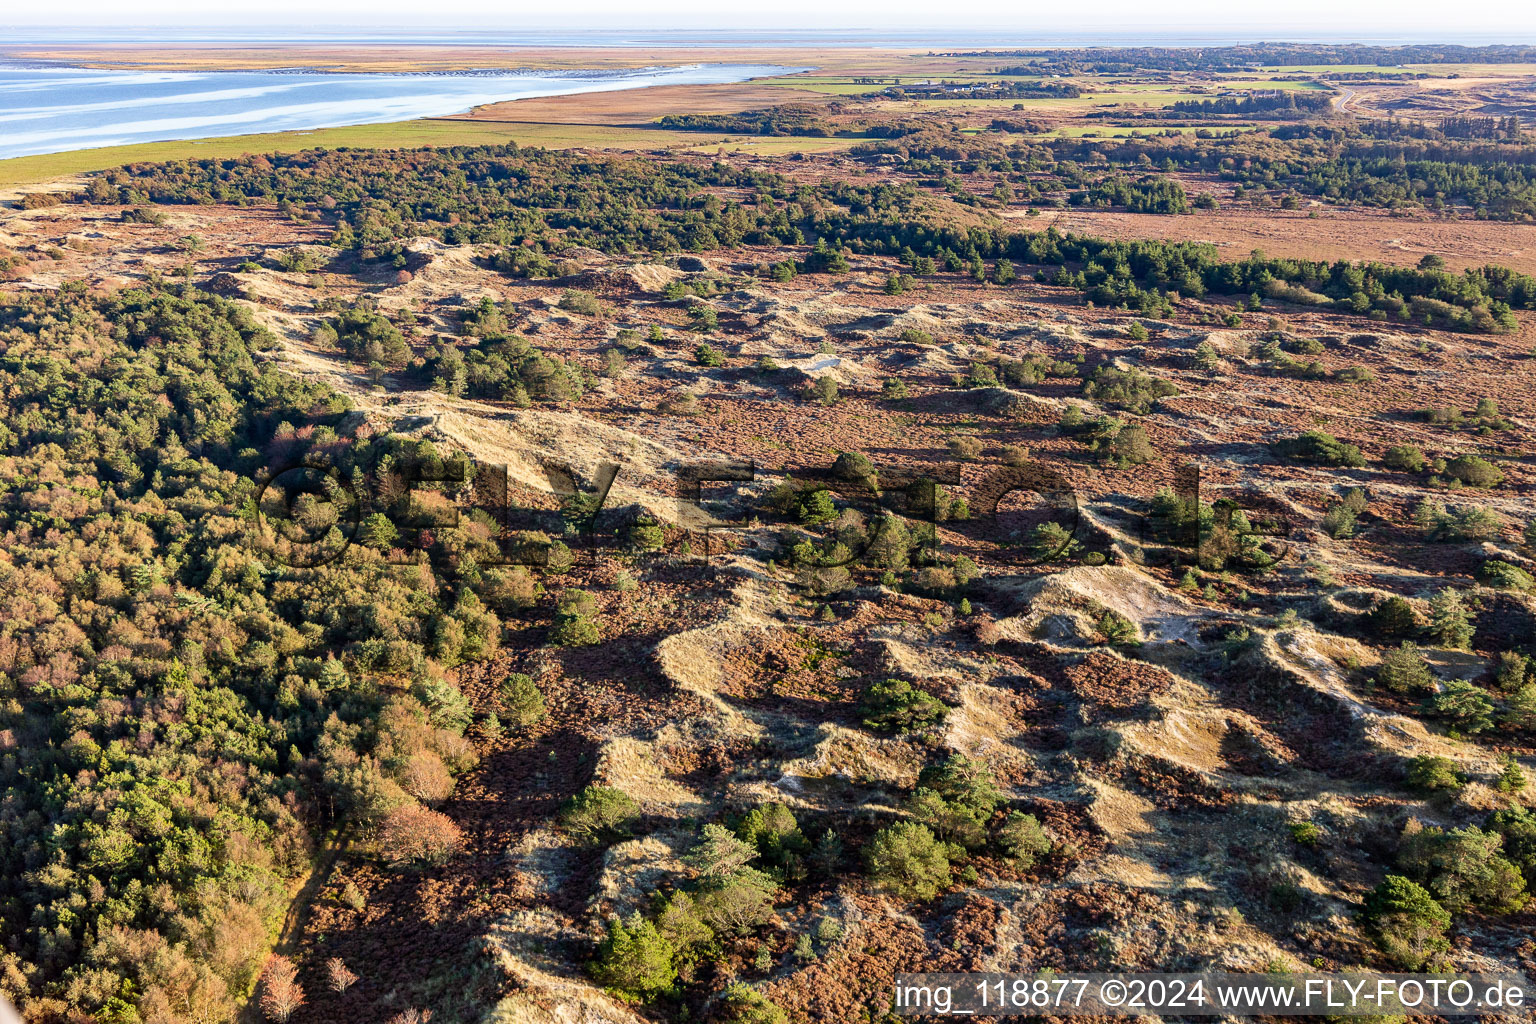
<point>1449,620</point>
<point>634,959</point>
<point>817,508</point>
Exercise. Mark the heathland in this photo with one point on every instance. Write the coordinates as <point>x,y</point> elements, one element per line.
<point>687,554</point>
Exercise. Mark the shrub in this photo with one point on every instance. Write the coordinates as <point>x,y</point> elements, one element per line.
<point>521,699</point>
<point>1509,675</point>
<point>1050,540</point>
<point>736,903</point>
<point>1340,522</point>
<point>706,355</point>
<point>1406,922</point>
<point>742,1005</point>
<point>719,853</point>
<point>1428,773</point>
<point>1464,868</point>
<point>1517,825</point>
<point>1319,447</point>
<point>964,447</point>
<point>1505,576</point>
<point>1119,630</point>
<point>1405,457</point>
<point>1404,671</point>
<point>772,829</point>
<point>1520,712</point>
<point>1305,832</point>
<point>1474,472</point>
<point>1472,523</point>
<point>1131,446</point>
<point>952,823</point>
<point>1511,778</point>
<point>633,960</point>
<point>573,300</point>
<point>964,782</point>
<point>1205,357</point>
<point>573,625</point>
<point>893,705</point>
<point>1394,618</point>
<point>1015,455</point>
<point>1022,839</point>
<point>574,631</point>
<point>1465,705</point>
<point>822,391</point>
<point>646,535</point>
<point>681,403</point>
<point>1128,389</point>
<point>894,388</point>
<point>854,467</point>
<point>415,835</point>
<point>907,861</point>
<point>980,375</point>
<point>598,812</point>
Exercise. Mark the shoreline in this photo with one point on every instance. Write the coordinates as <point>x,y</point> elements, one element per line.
<point>430,59</point>
<point>531,84</point>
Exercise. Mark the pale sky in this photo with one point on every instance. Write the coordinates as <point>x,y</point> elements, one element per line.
<point>1378,20</point>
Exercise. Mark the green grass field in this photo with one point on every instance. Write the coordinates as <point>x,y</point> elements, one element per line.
<point>402,134</point>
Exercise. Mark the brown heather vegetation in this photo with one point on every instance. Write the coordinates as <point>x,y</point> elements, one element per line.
<point>402,735</point>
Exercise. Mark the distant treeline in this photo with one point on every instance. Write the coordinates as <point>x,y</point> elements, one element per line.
<point>1148,195</point>
<point>1282,103</point>
<point>790,119</point>
<point>763,122</point>
<point>1238,58</point>
<point>1497,181</point>
<point>995,91</point>
<point>1492,128</point>
<point>542,200</point>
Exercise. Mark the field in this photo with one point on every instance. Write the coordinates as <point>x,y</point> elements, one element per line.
<point>689,574</point>
<point>1333,235</point>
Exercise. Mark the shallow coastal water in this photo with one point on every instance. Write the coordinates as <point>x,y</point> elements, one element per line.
<point>52,110</point>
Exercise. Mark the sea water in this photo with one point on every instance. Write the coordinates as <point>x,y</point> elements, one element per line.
<point>54,109</point>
